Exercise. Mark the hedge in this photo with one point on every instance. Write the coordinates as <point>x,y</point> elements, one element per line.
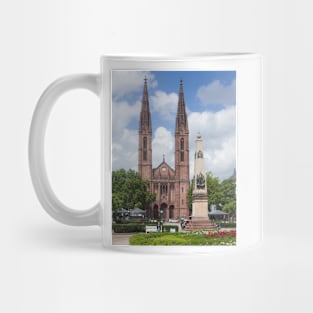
<point>226,225</point>
<point>128,228</point>
<point>167,228</point>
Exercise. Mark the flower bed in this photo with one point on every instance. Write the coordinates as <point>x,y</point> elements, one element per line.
<point>221,233</point>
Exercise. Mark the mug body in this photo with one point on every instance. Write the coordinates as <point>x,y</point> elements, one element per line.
<point>181,152</point>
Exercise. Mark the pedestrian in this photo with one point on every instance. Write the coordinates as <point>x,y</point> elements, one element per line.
<point>158,226</point>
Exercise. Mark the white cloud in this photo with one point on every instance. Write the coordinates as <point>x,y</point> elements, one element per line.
<point>164,104</point>
<point>127,82</point>
<point>162,143</point>
<point>218,131</point>
<point>124,140</point>
<point>216,93</point>
<point>122,114</point>
<point>124,150</point>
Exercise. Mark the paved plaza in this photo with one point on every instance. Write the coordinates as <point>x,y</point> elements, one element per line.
<point>120,239</point>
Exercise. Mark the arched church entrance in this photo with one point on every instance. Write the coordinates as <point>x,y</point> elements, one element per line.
<point>155,213</point>
<point>163,211</point>
<point>171,212</point>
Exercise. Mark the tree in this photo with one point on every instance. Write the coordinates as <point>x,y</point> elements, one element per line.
<point>228,188</point>
<point>222,194</point>
<point>129,190</point>
<point>190,194</point>
<point>215,195</point>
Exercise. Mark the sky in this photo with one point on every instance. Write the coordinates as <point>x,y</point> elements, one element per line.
<point>210,99</point>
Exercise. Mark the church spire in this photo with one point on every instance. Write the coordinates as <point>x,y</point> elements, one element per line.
<point>145,137</point>
<point>145,116</point>
<point>181,117</point>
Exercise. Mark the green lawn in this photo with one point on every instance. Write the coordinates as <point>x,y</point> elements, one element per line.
<point>184,239</point>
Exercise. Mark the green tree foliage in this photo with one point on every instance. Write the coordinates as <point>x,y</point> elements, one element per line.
<point>129,190</point>
<point>222,194</point>
<point>190,194</point>
<point>215,194</point>
<point>228,187</point>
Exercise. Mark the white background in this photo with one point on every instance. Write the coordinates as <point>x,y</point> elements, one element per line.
<point>49,267</point>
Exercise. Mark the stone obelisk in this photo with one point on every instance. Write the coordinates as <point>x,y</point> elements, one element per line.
<point>199,194</point>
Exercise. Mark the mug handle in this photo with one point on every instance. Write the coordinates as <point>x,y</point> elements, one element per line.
<point>37,166</point>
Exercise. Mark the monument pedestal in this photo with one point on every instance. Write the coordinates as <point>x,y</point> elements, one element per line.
<point>199,218</point>
<point>200,206</point>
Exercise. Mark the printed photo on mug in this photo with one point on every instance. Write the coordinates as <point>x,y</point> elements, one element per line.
<point>181,147</point>
<point>174,157</point>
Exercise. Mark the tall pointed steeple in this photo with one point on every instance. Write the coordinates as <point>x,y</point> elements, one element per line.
<point>145,116</point>
<point>182,154</point>
<point>145,137</point>
<point>181,117</point>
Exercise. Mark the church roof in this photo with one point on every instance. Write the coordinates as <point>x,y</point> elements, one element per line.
<point>163,171</point>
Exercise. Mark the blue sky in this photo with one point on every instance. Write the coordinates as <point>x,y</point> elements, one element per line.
<point>210,98</point>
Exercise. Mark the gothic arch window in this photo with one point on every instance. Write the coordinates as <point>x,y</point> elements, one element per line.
<point>182,144</point>
<point>163,189</point>
<point>171,211</point>
<point>182,147</point>
<point>145,148</point>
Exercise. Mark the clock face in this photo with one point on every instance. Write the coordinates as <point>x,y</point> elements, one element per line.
<point>163,169</point>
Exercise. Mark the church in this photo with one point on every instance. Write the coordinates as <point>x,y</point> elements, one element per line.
<point>170,185</point>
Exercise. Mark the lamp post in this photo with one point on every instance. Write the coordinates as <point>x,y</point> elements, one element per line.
<point>161,222</point>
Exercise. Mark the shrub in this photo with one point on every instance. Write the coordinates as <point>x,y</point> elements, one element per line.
<point>167,228</point>
<point>128,228</point>
<point>227,224</point>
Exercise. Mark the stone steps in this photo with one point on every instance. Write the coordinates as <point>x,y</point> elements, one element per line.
<point>200,225</point>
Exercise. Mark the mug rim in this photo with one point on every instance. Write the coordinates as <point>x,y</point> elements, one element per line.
<point>179,57</point>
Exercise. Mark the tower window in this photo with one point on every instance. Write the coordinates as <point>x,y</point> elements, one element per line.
<point>145,148</point>
<point>182,147</point>
<point>182,144</point>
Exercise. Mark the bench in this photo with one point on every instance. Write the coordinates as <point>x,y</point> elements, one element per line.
<point>173,221</point>
<point>151,229</point>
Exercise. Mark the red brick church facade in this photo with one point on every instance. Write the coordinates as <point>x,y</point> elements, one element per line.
<point>170,185</point>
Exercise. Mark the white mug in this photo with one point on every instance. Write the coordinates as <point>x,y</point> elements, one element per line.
<point>190,116</point>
